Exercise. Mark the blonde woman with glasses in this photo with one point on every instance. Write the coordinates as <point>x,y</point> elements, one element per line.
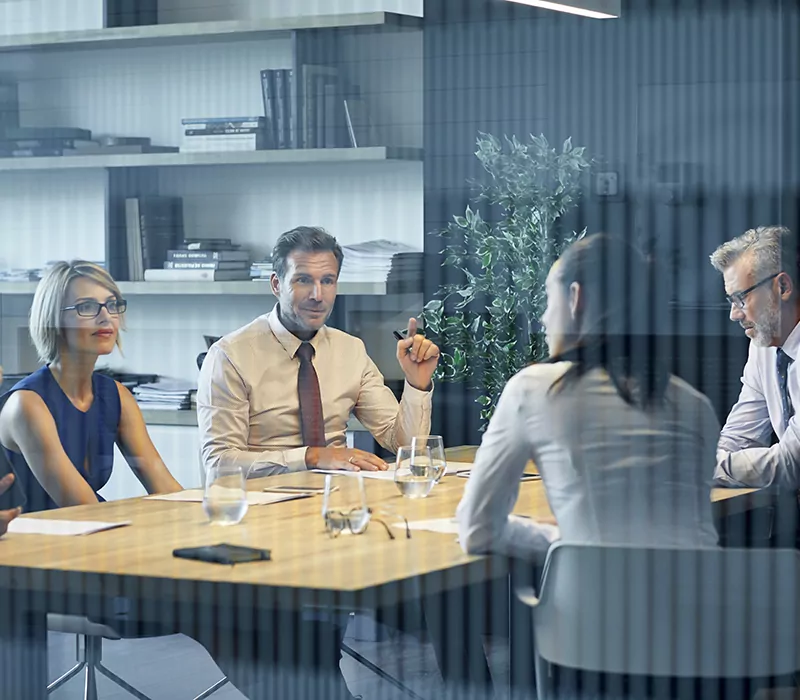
<point>58,426</point>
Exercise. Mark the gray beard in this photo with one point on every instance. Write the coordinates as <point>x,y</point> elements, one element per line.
<point>769,327</point>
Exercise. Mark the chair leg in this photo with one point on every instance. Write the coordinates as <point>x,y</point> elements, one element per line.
<point>379,671</point>
<point>113,677</point>
<point>69,675</point>
<point>544,681</point>
<point>213,689</point>
<point>90,688</point>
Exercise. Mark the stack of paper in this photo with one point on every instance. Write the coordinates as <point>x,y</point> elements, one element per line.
<point>168,394</point>
<point>376,261</point>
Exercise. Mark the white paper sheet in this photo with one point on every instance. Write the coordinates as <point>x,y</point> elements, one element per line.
<point>37,526</point>
<point>388,475</point>
<point>254,498</point>
<point>446,526</point>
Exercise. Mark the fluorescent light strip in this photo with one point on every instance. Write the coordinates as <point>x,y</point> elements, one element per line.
<point>561,7</point>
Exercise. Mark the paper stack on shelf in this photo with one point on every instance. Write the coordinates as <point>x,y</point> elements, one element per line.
<point>166,394</point>
<point>381,261</point>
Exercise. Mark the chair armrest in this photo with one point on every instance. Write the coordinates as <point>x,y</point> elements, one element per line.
<point>527,595</point>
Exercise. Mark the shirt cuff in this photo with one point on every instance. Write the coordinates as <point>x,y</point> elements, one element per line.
<point>295,459</point>
<point>417,395</point>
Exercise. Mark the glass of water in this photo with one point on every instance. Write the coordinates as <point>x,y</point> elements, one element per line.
<point>413,475</point>
<point>429,450</point>
<point>225,495</point>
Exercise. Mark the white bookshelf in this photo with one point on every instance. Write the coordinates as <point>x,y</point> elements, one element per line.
<point>205,60</point>
<point>202,32</point>
<point>243,288</point>
<point>300,156</point>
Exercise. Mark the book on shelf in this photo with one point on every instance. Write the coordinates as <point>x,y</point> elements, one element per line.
<point>46,143</point>
<point>119,150</point>
<point>30,152</point>
<point>9,106</point>
<point>46,132</point>
<point>231,142</point>
<point>162,275</point>
<point>361,129</point>
<point>222,123</point>
<point>201,134</point>
<point>215,265</point>
<point>208,256</point>
<point>154,225</point>
<point>208,244</point>
<point>308,110</point>
<point>131,13</point>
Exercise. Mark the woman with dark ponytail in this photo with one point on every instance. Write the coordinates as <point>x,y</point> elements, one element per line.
<point>626,450</point>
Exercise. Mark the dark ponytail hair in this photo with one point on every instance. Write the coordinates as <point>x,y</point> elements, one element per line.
<point>619,316</point>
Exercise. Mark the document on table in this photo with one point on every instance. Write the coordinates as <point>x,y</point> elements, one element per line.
<point>388,475</point>
<point>38,526</point>
<point>446,526</point>
<point>254,498</point>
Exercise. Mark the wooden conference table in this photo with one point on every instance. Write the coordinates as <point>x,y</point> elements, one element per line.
<point>130,572</point>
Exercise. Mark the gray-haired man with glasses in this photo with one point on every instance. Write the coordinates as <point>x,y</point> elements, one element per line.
<point>760,270</point>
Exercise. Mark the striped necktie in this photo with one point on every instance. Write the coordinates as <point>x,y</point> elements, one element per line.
<point>782,361</point>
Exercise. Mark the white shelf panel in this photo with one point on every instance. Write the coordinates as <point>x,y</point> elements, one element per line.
<point>242,288</point>
<point>199,32</point>
<point>299,156</point>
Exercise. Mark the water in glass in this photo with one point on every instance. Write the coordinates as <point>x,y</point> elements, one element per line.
<point>428,451</point>
<point>414,476</point>
<point>225,498</point>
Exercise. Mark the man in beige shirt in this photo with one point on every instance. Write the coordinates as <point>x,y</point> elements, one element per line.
<point>248,403</point>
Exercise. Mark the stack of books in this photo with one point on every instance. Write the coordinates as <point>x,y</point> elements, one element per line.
<point>204,134</point>
<point>166,394</point>
<point>27,142</point>
<point>203,260</point>
<point>261,270</point>
<point>381,260</point>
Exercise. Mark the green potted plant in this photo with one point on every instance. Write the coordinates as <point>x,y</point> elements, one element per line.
<point>487,324</point>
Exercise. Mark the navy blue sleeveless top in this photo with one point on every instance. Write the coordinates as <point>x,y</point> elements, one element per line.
<point>87,437</point>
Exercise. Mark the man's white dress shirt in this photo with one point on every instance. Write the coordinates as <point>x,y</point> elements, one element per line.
<point>248,408</point>
<point>613,473</point>
<point>744,454</point>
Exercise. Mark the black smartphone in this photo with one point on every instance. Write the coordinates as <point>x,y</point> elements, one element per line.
<point>223,554</point>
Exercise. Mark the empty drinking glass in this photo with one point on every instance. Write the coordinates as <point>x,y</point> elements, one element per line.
<point>413,478</point>
<point>344,504</point>
<point>429,450</point>
<point>225,495</point>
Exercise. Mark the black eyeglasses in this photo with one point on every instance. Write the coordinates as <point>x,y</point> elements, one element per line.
<point>91,308</point>
<point>357,521</point>
<point>737,298</point>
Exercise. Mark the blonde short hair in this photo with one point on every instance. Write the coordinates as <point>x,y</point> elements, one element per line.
<point>45,319</point>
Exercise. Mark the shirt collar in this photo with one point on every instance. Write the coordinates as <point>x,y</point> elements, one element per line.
<point>792,344</point>
<point>287,339</point>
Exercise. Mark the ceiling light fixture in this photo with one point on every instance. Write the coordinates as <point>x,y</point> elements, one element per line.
<point>596,9</point>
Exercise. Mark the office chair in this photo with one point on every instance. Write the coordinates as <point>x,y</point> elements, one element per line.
<point>614,617</point>
<point>90,657</point>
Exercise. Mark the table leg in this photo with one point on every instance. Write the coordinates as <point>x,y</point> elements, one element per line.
<point>23,648</point>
